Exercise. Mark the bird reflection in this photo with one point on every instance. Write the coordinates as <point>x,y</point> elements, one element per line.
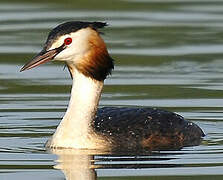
<point>82,164</point>
<point>76,164</point>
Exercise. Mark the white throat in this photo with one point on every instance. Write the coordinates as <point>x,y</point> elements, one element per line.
<point>75,130</point>
<point>84,100</point>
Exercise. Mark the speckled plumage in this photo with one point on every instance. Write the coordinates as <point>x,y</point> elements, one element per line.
<point>149,128</point>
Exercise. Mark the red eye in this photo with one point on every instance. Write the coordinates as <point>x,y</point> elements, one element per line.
<point>68,41</point>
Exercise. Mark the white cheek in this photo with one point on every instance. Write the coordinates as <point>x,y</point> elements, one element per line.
<point>65,55</point>
<point>74,51</point>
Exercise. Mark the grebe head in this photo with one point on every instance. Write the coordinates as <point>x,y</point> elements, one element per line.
<point>80,46</point>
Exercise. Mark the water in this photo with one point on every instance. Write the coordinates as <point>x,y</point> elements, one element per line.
<point>168,55</point>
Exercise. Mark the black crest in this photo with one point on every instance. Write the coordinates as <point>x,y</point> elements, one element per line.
<point>73,26</point>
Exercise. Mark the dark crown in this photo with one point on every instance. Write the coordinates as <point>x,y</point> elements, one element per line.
<point>73,26</point>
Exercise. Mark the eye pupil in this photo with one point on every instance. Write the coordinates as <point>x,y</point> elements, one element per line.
<point>68,41</point>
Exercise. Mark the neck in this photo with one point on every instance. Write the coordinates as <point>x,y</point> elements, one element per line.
<point>76,129</point>
<point>83,104</point>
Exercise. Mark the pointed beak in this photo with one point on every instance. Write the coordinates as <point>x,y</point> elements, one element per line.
<point>43,57</point>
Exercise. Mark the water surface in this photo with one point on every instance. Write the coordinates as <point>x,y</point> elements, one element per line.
<point>167,55</point>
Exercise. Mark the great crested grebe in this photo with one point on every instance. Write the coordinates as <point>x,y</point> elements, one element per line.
<point>84,126</point>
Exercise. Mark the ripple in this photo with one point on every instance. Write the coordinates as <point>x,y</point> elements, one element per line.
<point>169,57</point>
